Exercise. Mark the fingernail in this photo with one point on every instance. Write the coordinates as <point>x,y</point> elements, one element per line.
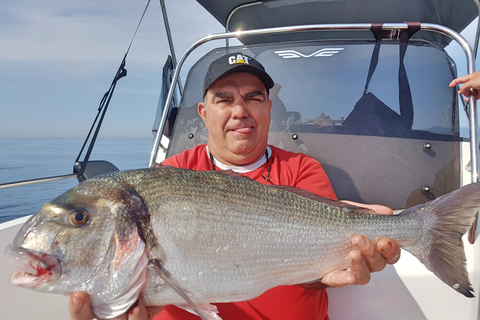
<point>360,242</point>
<point>78,300</point>
<point>357,259</point>
<point>387,248</point>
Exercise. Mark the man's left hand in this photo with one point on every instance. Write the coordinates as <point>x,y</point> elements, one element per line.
<point>366,257</point>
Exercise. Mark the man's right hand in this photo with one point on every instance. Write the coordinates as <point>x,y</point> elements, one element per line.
<point>80,309</point>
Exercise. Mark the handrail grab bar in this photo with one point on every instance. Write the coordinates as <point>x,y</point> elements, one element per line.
<point>33,181</point>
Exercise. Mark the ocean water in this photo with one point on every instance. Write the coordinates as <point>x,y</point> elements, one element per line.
<point>24,159</point>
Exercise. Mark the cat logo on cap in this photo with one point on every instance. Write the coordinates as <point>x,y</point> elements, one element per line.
<point>239,58</point>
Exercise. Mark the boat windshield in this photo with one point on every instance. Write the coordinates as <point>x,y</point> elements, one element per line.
<point>317,85</point>
<point>321,108</point>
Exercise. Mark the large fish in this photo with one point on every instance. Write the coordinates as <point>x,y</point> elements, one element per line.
<point>215,237</point>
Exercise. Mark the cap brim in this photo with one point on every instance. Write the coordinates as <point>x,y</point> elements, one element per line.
<point>262,75</point>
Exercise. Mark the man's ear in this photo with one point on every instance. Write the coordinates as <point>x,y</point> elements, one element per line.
<point>202,111</point>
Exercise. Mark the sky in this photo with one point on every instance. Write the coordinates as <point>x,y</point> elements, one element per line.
<point>58,58</point>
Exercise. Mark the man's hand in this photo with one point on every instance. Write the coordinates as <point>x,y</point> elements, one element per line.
<point>80,309</point>
<point>79,306</point>
<point>366,257</point>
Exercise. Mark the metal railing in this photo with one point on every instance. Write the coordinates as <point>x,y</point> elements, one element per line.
<point>473,123</point>
<point>329,27</point>
<point>39,180</point>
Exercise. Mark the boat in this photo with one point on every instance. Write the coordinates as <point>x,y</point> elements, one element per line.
<point>360,85</point>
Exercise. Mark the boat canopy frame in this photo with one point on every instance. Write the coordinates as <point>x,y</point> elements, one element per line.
<point>252,15</point>
<point>329,27</point>
<point>394,28</point>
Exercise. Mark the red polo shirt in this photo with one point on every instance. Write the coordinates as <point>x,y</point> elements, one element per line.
<point>285,302</point>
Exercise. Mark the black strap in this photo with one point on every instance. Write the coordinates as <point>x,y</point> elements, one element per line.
<point>267,178</point>
<point>376,29</point>
<point>212,161</point>
<point>405,95</point>
<point>102,109</point>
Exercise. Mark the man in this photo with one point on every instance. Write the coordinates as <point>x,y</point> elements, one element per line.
<point>236,111</point>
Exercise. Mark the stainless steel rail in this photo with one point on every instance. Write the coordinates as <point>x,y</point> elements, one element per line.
<point>230,15</point>
<point>329,27</point>
<point>33,181</point>
<point>473,122</point>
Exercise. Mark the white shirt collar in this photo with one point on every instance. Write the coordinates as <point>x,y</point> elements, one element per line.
<point>241,169</point>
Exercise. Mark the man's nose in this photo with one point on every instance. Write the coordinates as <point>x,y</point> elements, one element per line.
<point>240,110</point>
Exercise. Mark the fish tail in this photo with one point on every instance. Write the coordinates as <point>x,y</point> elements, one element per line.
<point>446,220</point>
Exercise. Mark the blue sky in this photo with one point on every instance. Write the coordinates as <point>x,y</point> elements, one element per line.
<point>58,58</point>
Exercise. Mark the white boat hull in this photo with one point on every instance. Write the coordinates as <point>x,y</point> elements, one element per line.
<point>20,303</point>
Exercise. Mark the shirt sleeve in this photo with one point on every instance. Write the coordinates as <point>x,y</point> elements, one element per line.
<point>195,159</point>
<point>172,161</point>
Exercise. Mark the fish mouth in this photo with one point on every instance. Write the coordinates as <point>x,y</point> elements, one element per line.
<point>34,268</point>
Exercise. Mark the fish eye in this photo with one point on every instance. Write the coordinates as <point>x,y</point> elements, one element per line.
<point>78,218</point>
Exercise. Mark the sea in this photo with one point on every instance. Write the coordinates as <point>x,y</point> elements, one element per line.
<point>25,159</point>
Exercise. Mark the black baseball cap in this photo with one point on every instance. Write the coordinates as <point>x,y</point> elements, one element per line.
<point>235,62</point>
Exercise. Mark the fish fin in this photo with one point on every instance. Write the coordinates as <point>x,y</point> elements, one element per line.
<point>157,266</point>
<point>230,172</point>
<point>209,311</point>
<point>130,266</point>
<point>162,166</point>
<point>448,217</point>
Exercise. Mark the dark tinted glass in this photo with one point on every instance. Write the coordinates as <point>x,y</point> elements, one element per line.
<point>368,149</point>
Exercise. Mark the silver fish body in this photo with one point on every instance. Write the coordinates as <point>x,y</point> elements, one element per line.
<point>219,238</point>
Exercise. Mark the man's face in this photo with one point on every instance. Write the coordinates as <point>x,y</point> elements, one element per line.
<point>237,115</point>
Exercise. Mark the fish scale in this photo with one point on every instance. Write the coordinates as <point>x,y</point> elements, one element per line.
<point>218,237</point>
<point>262,224</point>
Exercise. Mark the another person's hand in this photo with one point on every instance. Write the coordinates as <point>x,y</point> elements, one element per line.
<point>367,256</point>
<point>471,84</point>
<point>80,309</point>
